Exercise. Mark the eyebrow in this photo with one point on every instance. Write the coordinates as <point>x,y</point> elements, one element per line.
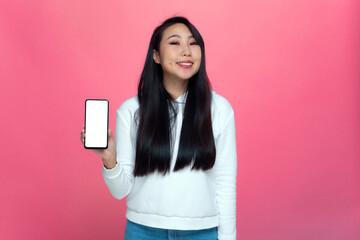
<point>178,36</point>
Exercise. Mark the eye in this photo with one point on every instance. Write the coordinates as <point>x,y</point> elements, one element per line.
<point>194,43</point>
<point>174,43</point>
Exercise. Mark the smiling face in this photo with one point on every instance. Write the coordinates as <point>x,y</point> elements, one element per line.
<point>179,54</point>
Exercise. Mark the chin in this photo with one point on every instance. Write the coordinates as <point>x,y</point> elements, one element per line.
<point>186,77</point>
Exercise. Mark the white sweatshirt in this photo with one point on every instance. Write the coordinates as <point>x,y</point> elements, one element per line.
<point>186,199</point>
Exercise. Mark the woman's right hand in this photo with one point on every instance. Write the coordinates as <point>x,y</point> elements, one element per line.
<point>108,155</point>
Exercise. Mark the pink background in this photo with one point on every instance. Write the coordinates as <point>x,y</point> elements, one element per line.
<point>289,68</point>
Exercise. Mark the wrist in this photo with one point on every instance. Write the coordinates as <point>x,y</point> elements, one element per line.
<point>109,163</point>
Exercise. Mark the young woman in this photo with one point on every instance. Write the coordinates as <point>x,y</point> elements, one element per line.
<point>174,154</point>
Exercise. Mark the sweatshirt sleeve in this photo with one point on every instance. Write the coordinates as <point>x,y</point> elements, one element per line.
<point>226,170</point>
<point>119,179</point>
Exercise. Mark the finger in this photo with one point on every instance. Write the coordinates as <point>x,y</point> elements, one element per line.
<point>82,137</point>
<point>110,133</point>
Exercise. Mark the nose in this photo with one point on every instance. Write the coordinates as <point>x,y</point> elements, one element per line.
<point>186,52</point>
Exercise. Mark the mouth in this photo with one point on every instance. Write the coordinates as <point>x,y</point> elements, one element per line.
<point>185,64</point>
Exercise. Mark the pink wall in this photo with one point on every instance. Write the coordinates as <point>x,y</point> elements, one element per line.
<point>289,68</point>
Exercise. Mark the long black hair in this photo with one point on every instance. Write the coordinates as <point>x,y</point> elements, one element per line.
<point>156,114</point>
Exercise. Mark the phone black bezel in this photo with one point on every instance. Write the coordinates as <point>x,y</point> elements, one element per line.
<point>107,133</point>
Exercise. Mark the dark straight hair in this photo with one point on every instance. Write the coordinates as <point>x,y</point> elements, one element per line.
<point>156,114</point>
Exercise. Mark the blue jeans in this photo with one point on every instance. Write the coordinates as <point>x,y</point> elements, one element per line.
<point>134,231</point>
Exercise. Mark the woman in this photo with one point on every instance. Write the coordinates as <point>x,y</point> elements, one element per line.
<point>174,154</point>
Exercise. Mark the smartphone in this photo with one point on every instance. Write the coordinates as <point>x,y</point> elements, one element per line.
<point>96,123</point>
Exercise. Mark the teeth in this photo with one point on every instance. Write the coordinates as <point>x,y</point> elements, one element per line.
<point>186,64</point>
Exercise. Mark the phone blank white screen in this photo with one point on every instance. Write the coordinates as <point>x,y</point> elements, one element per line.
<point>96,123</point>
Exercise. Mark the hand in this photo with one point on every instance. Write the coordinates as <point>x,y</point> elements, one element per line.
<point>108,155</point>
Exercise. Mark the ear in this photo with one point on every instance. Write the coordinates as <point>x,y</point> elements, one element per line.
<point>156,56</point>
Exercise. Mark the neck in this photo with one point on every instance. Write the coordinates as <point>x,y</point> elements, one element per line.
<point>175,87</point>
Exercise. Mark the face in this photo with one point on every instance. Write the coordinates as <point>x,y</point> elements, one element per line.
<point>179,54</point>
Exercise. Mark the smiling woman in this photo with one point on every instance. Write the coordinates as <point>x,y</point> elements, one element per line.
<point>174,154</point>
